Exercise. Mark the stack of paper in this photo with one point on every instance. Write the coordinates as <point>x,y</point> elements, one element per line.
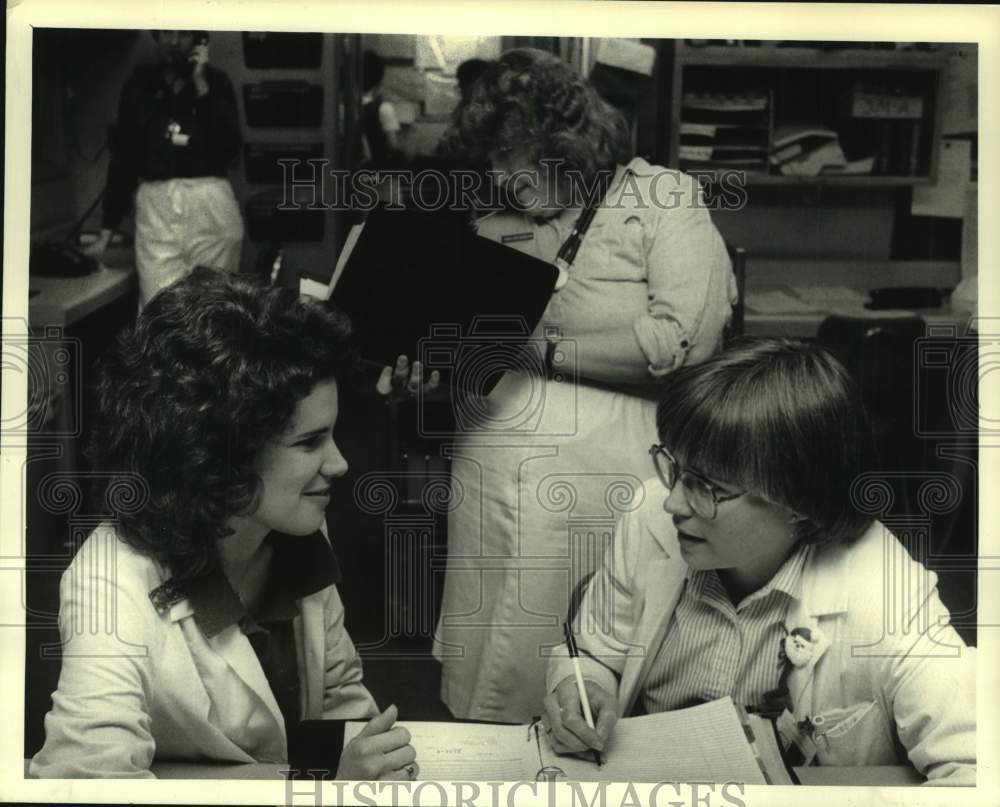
<point>806,150</point>
<point>720,130</point>
<point>815,298</point>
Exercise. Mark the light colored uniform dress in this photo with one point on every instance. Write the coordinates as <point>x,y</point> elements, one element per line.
<point>548,465</point>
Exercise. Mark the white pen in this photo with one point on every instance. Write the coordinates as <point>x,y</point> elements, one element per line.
<point>584,700</point>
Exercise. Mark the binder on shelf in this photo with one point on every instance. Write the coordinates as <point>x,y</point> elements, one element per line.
<point>283,104</point>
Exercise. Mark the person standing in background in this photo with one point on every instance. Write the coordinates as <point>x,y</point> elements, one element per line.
<point>538,465</point>
<point>379,122</point>
<point>176,135</point>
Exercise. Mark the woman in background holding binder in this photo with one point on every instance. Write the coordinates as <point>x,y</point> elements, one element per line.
<point>176,135</point>
<point>539,469</point>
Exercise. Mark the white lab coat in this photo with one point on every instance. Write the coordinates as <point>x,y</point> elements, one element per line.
<point>137,685</point>
<point>889,677</point>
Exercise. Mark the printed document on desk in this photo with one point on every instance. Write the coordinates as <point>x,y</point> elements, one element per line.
<point>704,743</point>
<point>710,742</point>
<point>468,751</point>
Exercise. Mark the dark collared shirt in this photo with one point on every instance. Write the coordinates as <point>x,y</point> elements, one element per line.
<point>141,146</point>
<point>299,566</point>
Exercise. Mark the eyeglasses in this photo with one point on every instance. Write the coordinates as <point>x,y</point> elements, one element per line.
<point>702,496</point>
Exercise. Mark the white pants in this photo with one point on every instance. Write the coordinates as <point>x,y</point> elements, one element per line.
<point>183,223</point>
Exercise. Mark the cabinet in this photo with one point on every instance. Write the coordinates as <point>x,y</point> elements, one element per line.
<point>289,89</point>
<point>884,107</point>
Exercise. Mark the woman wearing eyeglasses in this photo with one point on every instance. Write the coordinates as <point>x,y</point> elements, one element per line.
<point>751,572</point>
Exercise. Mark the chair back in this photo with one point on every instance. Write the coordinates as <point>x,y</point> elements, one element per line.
<point>738,258</point>
<point>878,352</point>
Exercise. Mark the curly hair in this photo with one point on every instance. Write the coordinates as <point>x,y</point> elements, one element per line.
<point>780,418</point>
<point>531,101</point>
<point>213,368</point>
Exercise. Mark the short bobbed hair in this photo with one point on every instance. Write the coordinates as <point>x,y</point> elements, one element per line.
<point>531,101</point>
<point>782,419</point>
<point>213,369</point>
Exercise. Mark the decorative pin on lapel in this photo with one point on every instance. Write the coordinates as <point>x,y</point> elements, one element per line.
<point>799,646</point>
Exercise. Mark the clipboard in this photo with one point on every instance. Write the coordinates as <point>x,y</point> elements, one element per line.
<point>424,284</point>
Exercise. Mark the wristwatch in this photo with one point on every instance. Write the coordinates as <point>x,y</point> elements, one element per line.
<point>550,352</point>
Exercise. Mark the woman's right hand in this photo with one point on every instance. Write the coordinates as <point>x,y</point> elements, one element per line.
<point>379,752</point>
<point>567,728</point>
<point>99,247</point>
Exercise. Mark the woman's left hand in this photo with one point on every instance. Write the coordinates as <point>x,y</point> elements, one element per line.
<point>404,382</point>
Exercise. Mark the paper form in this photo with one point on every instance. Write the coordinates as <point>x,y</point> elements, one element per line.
<point>970,231</point>
<point>946,198</point>
<point>825,295</point>
<point>468,751</point>
<point>961,89</point>
<point>345,253</point>
<point>779,301</point>
<point>704,743</point>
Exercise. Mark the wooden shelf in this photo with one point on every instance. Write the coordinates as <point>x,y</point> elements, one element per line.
<point>824,77</point>
<point>853,180</point>
<point>806,58</point>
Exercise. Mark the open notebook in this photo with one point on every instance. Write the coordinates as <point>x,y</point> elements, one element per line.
<point>712,742</point>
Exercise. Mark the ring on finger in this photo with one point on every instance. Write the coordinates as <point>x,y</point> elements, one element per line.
<point>411,771</point>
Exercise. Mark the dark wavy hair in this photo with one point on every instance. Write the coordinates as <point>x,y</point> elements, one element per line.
<point>782,419</point>
<point>213,368</point>
<point>533,101</point>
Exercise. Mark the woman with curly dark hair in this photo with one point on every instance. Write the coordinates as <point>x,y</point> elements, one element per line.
<point>645,288</point>
<point>204,623</point>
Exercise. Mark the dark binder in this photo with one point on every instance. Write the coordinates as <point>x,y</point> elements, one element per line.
<point>424,284</point>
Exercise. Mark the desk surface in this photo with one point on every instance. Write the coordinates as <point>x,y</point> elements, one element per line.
<point>884,776</point>
<point>64,301</point>
<point>806,325</point>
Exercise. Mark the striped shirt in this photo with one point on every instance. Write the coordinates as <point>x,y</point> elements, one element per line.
<point>712,649</point>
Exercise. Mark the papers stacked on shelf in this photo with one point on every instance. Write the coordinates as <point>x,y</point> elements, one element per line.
<point>810,150</point>
<point>725,130</point>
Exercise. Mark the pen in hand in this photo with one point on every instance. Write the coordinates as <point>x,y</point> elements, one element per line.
<point>584,700</point>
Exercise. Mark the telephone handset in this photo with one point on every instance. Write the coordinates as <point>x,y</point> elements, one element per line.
<point>200,38</point>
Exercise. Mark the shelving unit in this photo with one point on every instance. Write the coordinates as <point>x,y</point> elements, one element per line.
<point>309,238</point>
<point>816,85</point>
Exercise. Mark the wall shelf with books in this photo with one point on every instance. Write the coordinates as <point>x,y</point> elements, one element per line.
<point>846,117</point>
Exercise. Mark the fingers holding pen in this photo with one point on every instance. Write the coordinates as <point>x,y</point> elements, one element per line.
<point>569,732</point>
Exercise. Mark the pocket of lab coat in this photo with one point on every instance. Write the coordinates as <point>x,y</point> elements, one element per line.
<point>854,735</point>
